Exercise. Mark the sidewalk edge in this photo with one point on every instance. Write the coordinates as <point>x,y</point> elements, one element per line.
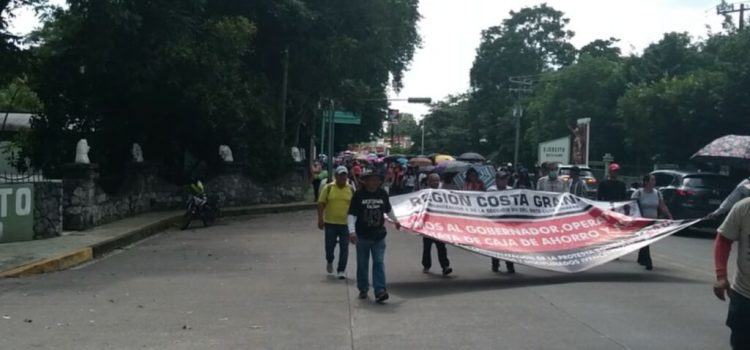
<point>97,250</point>
<point>58,263</point>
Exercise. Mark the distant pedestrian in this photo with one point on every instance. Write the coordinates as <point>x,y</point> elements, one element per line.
<point>736,228</point>
<point>433,182</point>
<point>651,203</point>
<point>315,170</point>
<point>576,186</point>
<point>472,181</point>
<point>410,180</point>
<point>501,184</point>
<point>367,230</point>
<point>612,189</point>
<point>333,208</point>
<point>523,180</point>
<point>551,182</point>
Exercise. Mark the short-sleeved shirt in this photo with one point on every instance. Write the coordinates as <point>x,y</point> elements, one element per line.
<point>612,191</point>
<point>370,208</point>
<point>548,185</point>
<point>648,202</point>
<point>736,227</point>
<point>337,202</point>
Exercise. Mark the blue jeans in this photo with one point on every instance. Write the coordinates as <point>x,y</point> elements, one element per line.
<point>365,248</point>
<point>340,232</point>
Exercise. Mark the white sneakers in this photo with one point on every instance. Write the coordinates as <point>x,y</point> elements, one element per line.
<point>341,275</point>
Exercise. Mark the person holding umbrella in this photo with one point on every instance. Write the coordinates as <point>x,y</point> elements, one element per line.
<point>473,182</point>
<point>740,192</point>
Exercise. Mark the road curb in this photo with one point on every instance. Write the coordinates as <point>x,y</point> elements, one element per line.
<point>58,263</point>
<point>97,250</point>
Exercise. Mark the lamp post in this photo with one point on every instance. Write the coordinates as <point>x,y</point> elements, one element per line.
<point>422,123</point>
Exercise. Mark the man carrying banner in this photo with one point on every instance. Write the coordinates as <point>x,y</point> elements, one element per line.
<point>736,228</point>
<point>501,184</point>
<point>367,230</point>
<point>433,182</point>
<point>551,183</point>
<point>577,187</point>
<point>741,191</point>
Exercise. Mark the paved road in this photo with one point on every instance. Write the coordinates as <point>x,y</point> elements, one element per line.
<point>259,283</point>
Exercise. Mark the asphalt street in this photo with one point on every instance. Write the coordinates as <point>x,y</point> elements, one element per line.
<point>260,283</point>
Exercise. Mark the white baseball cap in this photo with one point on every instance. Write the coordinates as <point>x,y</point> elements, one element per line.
<point>342,170</point>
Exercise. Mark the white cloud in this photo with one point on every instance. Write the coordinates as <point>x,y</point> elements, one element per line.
<point>451,34</point>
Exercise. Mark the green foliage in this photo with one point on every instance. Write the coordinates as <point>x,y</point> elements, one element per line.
<point>669,101</point>
<point>17,96</point>
<point>181,77</point>
<point>407,125</point>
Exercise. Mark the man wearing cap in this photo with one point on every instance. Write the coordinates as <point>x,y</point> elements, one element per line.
<point>433,182</point>
<point>367,230</point>
<point>333,207</point>
<point>612,189</point>
<point>501,184</point>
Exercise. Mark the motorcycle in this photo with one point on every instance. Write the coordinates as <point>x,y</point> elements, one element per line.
<point>200,206</point>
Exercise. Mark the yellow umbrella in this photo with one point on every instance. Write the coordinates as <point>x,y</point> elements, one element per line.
<point>443,157</point>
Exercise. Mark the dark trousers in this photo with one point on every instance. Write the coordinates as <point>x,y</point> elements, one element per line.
<point>316,188</point>
<point>644,256</point>
<point>496,264</point>
<point>738,320</point>
<point>337,234</point>
<point>427,253</point>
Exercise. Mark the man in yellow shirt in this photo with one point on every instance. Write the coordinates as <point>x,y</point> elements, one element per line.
<point>333,208</point>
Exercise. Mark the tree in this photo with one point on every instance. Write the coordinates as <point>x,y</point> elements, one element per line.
<point>406,126</point>
<point>182,77</point>
<point>445,130</point>
<point>530,42</point>
<point>588,89</point>
<point>602,49</point>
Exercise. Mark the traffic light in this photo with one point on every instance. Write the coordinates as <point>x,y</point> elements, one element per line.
<point>425,100</point>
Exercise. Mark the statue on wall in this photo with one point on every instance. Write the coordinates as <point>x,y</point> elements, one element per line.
<point>82,152</point>
<point>296,154</point>
<point>137,153</point>
<point>226,154</point>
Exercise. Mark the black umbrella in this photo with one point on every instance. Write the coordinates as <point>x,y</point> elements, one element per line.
<point>426,169</point>
<point>471,157</point>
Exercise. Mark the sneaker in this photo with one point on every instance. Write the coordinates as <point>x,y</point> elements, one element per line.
<point>329,267</point>
<point>382,296</point>
<point>649,267</point>
<point>426,270</point>
<point>447,271</point>
<point>363,295</point>
<point>341,275</point>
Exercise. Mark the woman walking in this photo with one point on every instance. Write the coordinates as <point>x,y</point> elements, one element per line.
<point>651,202</point>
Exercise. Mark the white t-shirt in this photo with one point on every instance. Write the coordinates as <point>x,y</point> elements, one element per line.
<point>736,227</point>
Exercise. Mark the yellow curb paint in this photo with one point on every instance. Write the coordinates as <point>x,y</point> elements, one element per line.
<point>57,263</point>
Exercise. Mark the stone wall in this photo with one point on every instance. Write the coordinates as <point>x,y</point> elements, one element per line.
<point>86,205</point>
<point>48,209</point>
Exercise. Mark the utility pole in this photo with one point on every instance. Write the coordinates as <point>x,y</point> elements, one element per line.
<point>284,83</point>
<point>422,122</point>
<point>520,86</point>
<point>331,123</point>
<point>726,9</point>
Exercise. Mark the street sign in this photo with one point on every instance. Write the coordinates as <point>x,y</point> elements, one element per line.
<point>16,212</point>
<point>557,151</point>
<point>341,117</point>
<point>393,116</point>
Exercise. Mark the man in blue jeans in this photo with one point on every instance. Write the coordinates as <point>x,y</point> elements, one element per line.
<point>333,208</point>
<point>367,230</point>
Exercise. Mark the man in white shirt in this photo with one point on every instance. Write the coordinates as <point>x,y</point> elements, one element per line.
<point>551,183</point>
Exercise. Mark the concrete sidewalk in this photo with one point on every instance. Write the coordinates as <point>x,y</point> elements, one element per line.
<point>75,248</point>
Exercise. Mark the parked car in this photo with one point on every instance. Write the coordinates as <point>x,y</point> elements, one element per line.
<point>586,175</point>
<point>693,195</point>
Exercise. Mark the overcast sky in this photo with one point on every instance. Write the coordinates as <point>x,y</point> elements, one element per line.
<point>451,31</point>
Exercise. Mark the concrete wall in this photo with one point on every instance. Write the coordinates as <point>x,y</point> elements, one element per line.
<point>86,205</point>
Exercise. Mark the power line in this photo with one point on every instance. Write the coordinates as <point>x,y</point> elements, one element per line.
<point>726,9</point>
